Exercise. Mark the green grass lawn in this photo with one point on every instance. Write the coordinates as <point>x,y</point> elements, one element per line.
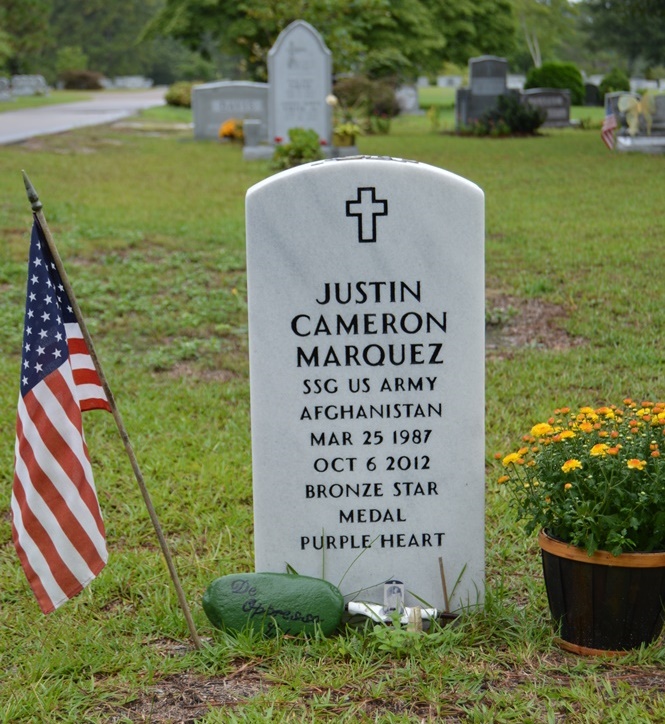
<point>54,97</point>
<point>150,225</point>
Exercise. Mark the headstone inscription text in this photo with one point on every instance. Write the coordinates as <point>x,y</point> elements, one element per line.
<point>366,326</point>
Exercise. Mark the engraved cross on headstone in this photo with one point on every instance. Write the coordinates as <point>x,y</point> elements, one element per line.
<point>366,208</point>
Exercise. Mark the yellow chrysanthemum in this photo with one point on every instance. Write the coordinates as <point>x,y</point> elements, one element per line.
<point>635,464</point>
<point>511,459</point>
<point>503,479</point>
<point>599,450</point>
<point>542,428</point>
<point>566,434</point>
<point>586,427</point>
<point>572,464</point>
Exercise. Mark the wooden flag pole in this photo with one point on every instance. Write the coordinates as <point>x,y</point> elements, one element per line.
<point>37,209</point>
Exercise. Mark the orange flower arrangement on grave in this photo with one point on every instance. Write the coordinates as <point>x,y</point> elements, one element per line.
<point>594,478</point>
<point>231,130</point>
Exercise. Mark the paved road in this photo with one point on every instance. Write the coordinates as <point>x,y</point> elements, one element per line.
<point>105,107</point>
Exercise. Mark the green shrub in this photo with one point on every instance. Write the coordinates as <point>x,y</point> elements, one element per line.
<point>180,94</point>
<point>509,116</point>
<point>81,80</point>
<point>303,146</point>
<point>615,80</point>
<point>371,102</point>
<point>71,57</point>
<point>558,75</point>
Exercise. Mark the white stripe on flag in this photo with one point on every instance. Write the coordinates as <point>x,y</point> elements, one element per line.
<point>61,543</point>
<point>37,560</point>
<point>51,465</point>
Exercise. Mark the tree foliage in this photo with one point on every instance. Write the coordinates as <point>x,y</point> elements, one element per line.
<point>23,33</point>
<point>51,36</point>
<point>379,37</point>
<point>636,28</point>
<point>544,28</point>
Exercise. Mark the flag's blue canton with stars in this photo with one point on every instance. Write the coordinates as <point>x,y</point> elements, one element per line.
<point>46,310</point>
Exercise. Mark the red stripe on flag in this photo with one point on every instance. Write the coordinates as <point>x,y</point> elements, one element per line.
<point>43,599</point>
<point>77,469</point>
<point>31,525</point>
<point>92,396</point>
<point>77,487</point>
<point>85,377</point>
<point>77,345</point>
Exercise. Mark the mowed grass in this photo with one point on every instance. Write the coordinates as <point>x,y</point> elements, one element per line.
<point>151,228</point>
<point>54,97</point>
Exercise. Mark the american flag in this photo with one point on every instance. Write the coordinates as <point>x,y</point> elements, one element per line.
<point>56,521</point>
<point>607,131</point>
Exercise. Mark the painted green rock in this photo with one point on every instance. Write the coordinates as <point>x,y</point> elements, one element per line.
<point>271,602</point>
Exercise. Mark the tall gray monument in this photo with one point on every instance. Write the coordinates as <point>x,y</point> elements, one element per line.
<point>300,78</point>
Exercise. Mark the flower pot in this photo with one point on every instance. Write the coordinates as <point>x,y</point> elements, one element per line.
<point>603,604</point>
<point>343,139</point>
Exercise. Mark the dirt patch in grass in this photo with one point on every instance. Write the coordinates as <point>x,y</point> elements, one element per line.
<point>185,698</point>
<point>513,322</point>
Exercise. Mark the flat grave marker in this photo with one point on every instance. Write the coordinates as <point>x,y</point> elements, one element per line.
<point>366,328</point>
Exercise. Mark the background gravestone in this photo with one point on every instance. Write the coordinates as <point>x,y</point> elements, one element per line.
<point>214,103</point>
<point>554,101</point>
<point>5,90</point>
<point>408,100</point>
<point>29,85</point>
<point>488,79</point>
<point>366,329</point>
<point>300,78</point>
<point>592,96</point>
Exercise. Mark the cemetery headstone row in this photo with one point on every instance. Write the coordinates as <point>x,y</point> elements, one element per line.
<point>299,80</point>
<point>29,85</point>
<point>488,79</point>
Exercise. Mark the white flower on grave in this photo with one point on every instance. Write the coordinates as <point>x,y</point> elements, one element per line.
<point>331,100</point>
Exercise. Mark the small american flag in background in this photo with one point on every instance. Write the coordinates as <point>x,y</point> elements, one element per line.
<point>607,131</point>
<point>56,521</point>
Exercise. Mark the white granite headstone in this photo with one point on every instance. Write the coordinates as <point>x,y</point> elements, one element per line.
<point>366,327</point>
<point>299,79</point>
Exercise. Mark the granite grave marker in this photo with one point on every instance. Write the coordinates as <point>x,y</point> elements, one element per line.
<point>488,76</point>
<point>366,329</point>
<point>5,90</point>
<point>300,79</point>
<point>214,103</point>
<point>554,101</point>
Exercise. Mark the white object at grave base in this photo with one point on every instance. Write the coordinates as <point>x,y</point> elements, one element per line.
<point>376,612</point>
<point>645,144</point>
